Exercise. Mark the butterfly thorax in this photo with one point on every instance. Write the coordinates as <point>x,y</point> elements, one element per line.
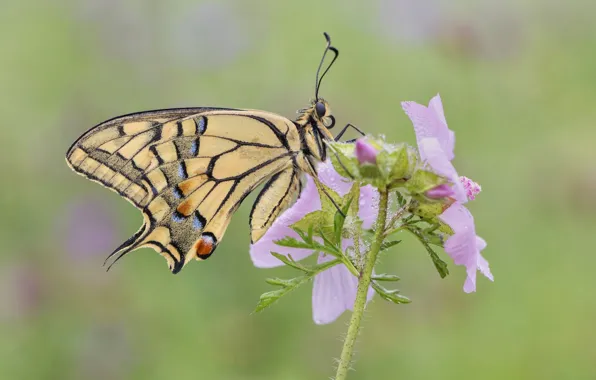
<point>313,123</point>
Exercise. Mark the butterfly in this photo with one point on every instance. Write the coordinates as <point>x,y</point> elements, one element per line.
<point>189,169</point>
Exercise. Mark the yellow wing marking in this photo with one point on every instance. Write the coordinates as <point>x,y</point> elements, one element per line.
<point>278,193</point>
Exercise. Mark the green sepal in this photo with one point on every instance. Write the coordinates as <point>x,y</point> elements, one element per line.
<point>427,211</point>
<point>344,159</point>
<point>423,180</point>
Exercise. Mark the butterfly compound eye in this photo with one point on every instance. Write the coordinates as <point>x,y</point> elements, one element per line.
<point>320,109</point>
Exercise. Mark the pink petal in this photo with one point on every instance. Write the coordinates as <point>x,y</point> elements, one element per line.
<point>334,291</point>
<point>436,105</point>
<point>332,179</point>
<point>369,196</point>
<point>430,122</point>
<point>368,209</point>
<point>484,268</point>
<point>457,217</point>
<point>470,283</point>
<point>464,246</point>
<point>260,252</point>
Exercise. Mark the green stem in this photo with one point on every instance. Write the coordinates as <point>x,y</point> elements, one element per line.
<point>362,292</point>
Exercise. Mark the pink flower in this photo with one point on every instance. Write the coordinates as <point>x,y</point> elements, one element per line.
<point>334,290</point>
<point>435,144</point>
<point>365,153</point>
<point>435,141</point>
<point>464,246</point>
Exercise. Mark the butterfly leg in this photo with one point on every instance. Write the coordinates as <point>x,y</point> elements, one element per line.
<point>344,129</point>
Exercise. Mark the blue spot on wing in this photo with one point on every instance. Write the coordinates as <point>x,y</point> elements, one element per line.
<point>197,223</point>
<point>177,192</point>
<point>182,170</point>
<point>194,148</point>
<point>177,217</point>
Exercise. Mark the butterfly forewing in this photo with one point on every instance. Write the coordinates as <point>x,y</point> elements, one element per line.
<point>188,170</point>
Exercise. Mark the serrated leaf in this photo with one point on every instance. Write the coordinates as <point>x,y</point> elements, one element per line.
<point>385,277</point>
<point>293,243</point>
<point>289,261</point>
<point>401,201</point>
<point>390,295</point>
<point>439,264</point>
<point>267,299</point>
<point>388,244</point>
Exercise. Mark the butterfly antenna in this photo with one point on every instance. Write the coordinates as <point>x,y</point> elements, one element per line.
<point>336,54</point>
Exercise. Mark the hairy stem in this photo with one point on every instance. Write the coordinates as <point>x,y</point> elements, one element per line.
<point>362,292</point>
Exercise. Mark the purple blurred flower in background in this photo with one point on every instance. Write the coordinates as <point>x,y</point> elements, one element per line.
<point>436,143</point>
<point>334,290</point>
<point>89,229</point>
<point>21,290</point>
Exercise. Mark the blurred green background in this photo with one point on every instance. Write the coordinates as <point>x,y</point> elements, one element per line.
<point>518,82</point>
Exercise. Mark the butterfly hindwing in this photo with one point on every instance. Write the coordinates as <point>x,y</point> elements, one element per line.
<point>188,170</point>
<point>278,193</point>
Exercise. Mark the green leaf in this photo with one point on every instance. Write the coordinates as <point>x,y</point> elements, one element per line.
<point>267,299</point>
<point>293,243</point>
<point>401,201</point>
<point>390,295</point>
<point>439,264</point>
<point>388,244</point>
<point>289,261</point>
<point>385,277</point>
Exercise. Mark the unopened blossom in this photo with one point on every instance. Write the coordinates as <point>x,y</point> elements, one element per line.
<point>365,153</point>
<point>441,191</point>
<point>334,289</point>
<point>464,246</point>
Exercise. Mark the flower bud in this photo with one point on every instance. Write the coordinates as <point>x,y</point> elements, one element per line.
<point>441,191</point>
<point>365,152</point>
